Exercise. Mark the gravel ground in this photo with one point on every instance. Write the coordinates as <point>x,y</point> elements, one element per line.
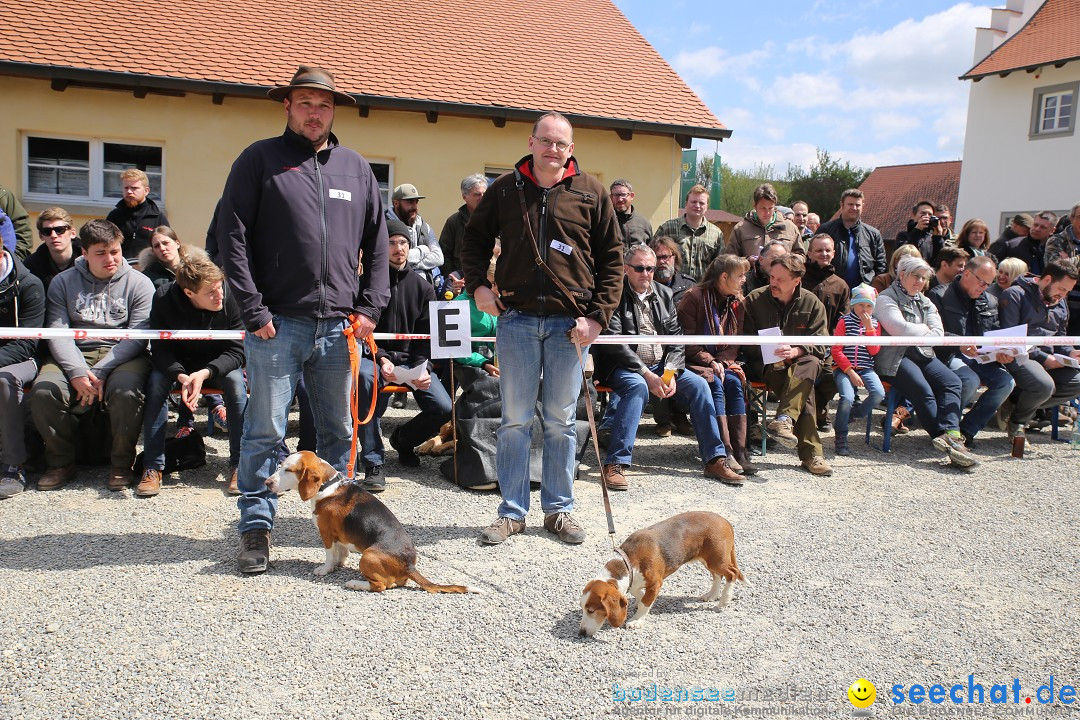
<point>898,569</point>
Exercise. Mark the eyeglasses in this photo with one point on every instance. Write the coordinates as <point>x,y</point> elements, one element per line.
<point>620,195</point>
<point>982,283</point>
<point>548,142</point>
<point>664,258</point>
<point>642,268</point>
<point>54,230</point>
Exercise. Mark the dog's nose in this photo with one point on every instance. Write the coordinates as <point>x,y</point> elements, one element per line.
<point>581,632</point>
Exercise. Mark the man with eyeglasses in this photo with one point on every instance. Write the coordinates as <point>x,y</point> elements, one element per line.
<point>58,248</point>
<point>669,267</point>
<point>635,229</point>
<point>546,209</point>
<point>699,240</point>
<point>967,309</point>
<point>633,372</point>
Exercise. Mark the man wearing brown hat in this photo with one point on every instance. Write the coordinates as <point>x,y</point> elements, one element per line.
<point>298,214</point>
<point>425,253</point>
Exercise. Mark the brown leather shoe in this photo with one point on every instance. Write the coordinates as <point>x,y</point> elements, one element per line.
<point>56,478</point>
<point>613,476</point>
<point>119,478</point>
<point>899,416</point>
<point>150,485</point>
<point>719,469</point>
<point>233,488</point>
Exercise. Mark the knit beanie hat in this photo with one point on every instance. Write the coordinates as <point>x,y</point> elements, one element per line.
<point>396,227</point>
<point>863,294</point>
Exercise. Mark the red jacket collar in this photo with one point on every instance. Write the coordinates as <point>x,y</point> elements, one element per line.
<point>524,166</point>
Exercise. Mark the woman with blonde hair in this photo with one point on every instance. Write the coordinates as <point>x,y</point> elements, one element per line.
<point>1008,270</point>
<point>884,280</point>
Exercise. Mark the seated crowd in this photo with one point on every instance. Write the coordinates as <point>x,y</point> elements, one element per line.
<point>775,276</point>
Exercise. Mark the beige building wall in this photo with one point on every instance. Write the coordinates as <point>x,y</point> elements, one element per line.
<point>201,140</point>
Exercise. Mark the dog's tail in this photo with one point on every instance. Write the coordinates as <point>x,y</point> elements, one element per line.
<point>414,575</point>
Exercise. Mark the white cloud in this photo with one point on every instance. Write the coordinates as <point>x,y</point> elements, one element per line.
<point>709,62</point>
<point>889,125</point>
<point>807,90</point>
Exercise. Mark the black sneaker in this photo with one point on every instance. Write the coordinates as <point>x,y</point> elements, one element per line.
<point>406,455</point>
<point>399,401</point>
<point>374,480</point>
<point>254,553</point>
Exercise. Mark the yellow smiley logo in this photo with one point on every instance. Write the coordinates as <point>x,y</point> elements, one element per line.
<point>862,693</point>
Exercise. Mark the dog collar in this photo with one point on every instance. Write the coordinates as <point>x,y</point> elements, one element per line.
<point>626,561</point>
<point>338,477</point>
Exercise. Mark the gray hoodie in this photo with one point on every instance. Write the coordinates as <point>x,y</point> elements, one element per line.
<point>78,300</point>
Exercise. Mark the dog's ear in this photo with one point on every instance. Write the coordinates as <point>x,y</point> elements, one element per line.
<point>615,604</point>
<point>309,475</point>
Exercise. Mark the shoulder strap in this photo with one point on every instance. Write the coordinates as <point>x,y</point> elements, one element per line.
<point>520,185</point>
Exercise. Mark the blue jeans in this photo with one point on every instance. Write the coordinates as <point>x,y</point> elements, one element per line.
<point>727,395</point>
<point>528,345</point>
<point>999,383</point>
<point>318,350</point>
<point>846,407</point>
<point>434,411</point>
<point>692,396</point>
<point>933,389</point>
<point>156,414</point>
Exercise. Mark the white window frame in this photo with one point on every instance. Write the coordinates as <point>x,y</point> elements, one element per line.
<point>1038,105</point>
<point>373,161</point>
<point>96,196</point>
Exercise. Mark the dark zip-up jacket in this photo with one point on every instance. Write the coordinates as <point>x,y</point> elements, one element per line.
<point>963,315</point>
<point>577,215</point>
<point>41,264</point>
<point>1022,303</point>
<point>635,229</point>
<point>929,245</point>
<point>451,239</point>
<point>804,315</point>
<point>870,248</point>
<point>137,224</point>
<point>626,320</point>
<point>22,304</point>
<point>407,312</point>
<point>290,229</point>
<point>171,310</point>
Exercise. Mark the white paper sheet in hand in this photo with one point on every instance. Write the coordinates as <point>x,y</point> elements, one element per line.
<point>768,352</point>
<point>408,375</point>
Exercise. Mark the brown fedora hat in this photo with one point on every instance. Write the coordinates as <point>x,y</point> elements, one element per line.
<point>314,78</point>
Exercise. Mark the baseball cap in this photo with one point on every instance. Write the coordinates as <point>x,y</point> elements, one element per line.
<point>407,191</point>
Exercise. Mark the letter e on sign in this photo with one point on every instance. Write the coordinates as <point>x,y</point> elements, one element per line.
<point>450,331</point>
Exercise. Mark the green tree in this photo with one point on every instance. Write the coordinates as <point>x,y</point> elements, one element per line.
<point>820,188</point>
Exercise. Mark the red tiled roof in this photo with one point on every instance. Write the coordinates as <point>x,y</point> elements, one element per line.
<point>486,57</point>
<point>892,191</point>
<point>1050,36</point>
<point>721,216</point>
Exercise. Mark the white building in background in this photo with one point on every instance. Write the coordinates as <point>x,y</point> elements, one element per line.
<point>1021,150</point>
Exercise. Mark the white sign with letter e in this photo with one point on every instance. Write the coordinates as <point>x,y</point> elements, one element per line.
<point>451,336</point>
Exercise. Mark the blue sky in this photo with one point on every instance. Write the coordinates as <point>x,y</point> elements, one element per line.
<point>873,82</point>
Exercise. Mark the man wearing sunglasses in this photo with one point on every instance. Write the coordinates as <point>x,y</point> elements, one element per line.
<point>546,210</point>
<point>58,248</point>
<point>633,372</point>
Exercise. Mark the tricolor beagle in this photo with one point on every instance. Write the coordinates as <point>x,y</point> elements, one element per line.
<point>650,555</point>
<point>350,519</point>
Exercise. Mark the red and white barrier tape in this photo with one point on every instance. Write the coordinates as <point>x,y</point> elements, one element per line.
<point>884,341</point>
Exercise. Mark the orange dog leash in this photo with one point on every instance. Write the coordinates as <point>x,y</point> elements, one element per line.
<point>354,398</point>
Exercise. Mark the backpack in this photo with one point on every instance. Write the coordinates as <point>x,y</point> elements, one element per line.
<point>7,232</point>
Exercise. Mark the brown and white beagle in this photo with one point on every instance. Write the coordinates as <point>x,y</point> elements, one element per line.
<point>351,519</point>
<point>650,555</point>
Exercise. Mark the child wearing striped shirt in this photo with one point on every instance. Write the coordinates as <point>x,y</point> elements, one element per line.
<point>854,364</point>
